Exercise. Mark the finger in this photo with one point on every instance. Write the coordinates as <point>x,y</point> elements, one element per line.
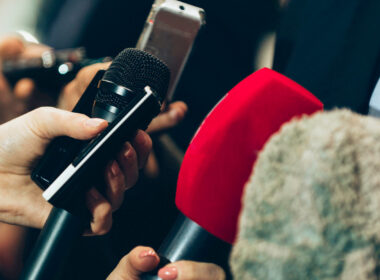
<point>175,113</point>
<point>101,212</point>
<point>24,88</point>
<point>33,50</point>
<point>69,96</point>
<point>187,270</point>
<point>86,74</point>
<point>116,185</point>
<point>127,160</point>
<point>139,260</point>
<point>152,168</point>
<point>11,47</point>
<point>142,144</point>
<point>74,90</point>
<point>48,122</point>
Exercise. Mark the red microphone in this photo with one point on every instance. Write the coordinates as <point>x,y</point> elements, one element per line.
<point>220,158</point>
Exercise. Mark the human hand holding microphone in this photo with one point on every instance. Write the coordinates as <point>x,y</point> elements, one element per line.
<point>23,141</point>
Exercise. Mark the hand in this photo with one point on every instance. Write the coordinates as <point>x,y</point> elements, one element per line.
<point>16,101</point>
<point>144,259</point>
<point>24,139</point>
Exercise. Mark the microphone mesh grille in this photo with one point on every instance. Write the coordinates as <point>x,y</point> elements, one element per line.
<point>136,69</point>
<point>112,99</point>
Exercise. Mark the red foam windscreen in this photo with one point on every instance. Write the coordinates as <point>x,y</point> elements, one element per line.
<point>220,158</point>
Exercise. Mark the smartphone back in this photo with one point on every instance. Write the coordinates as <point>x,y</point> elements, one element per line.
<point>169,34</point>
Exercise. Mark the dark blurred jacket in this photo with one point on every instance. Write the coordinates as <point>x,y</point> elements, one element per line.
<point>332,48</point>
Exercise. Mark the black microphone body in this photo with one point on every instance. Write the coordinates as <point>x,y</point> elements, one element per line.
<point>50,71</point>
<point>58,237</point>
<point>182,243</point>
<point>127,109</point>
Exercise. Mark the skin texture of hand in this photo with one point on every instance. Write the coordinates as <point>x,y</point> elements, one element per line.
<point>144,259</point>
<point>24,139</point>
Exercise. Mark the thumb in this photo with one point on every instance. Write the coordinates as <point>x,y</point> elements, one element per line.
<point>139,260</point>
<point>48,123</point>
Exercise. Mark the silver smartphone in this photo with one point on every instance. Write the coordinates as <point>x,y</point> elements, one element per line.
<point>169,34</point>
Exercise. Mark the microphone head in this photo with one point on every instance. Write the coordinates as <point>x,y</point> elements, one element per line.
<point>311,208</point>
<point>220,157</point>
<point>134,69</point>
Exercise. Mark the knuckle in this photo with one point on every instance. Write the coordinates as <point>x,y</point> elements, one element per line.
<point>148,142</point>
<point>103,227</point>
<point>131,155</point>
<point>36,120</point>
<point>143,140</point>
<point>44,112</point>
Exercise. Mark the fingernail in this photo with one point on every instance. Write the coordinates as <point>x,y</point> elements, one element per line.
<point>94,122</point>
<point>168,273</point>
<point>147,253</point>
<point>115,170</point>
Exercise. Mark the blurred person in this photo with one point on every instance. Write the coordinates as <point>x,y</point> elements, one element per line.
<point>332,49</point>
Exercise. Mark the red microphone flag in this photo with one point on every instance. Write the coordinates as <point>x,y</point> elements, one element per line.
<point>221,155</point>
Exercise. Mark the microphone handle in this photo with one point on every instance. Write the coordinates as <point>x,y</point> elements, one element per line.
<point>54,244</point>
<point>189,241</point>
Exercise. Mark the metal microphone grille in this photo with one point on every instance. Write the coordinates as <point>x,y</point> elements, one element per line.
<point>135,69</point>
<point>111,98</point>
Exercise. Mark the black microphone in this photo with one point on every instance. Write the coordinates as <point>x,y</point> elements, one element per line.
<point>51,70</point>
<point>128,96</point>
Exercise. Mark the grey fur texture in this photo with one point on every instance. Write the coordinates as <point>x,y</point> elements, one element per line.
<point>311,209</point>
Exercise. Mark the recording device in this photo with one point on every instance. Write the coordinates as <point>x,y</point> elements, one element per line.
<point>219,160</point>
<point>311,205</point>
<point>50,71</point>
<point>128,96</point>
<point>169,33</point>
